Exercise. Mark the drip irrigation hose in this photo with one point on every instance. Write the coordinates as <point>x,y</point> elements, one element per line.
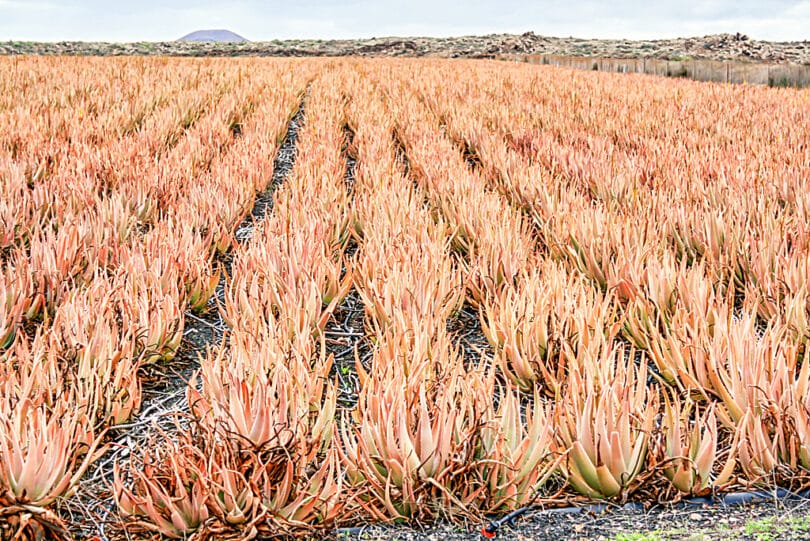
<point>732,499</point>
<point>491,530</point>
<point>351,532</point>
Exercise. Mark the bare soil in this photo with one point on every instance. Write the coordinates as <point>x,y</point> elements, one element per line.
<point>767,521</point>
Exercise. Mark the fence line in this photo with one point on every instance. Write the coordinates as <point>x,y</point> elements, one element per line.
<point>699,70</point>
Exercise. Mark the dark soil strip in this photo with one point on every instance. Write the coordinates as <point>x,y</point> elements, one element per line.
<point>408,169</point>
<point>346,339</point>
<point>470,155</point>
<point>91,513</point>
<point>203,330</point>
<point>351,160</point>
<point>345,332</point>
<point>208,328</point>
<point>465,326</point>
<point>494,181</point>
<point>283,165</point>
<point>401,154</point>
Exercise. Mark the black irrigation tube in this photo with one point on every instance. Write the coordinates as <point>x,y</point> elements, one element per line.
<point>732,499</point>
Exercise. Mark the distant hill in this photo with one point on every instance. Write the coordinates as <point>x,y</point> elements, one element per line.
<point>214,36</point>
<point>736,47</point>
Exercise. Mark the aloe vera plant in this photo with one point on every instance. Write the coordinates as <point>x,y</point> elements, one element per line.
<point>689,448</point>
<point>607,432</point>
<point>43,455</point>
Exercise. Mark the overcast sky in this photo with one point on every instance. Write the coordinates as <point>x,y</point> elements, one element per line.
<point>159,20</point>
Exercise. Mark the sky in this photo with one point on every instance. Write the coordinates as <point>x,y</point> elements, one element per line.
<point>165,20</point>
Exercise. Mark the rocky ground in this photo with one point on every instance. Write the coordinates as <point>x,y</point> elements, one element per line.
<point>716,47</point>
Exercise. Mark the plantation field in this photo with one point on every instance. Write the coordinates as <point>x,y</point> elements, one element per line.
<point>251,298</point>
